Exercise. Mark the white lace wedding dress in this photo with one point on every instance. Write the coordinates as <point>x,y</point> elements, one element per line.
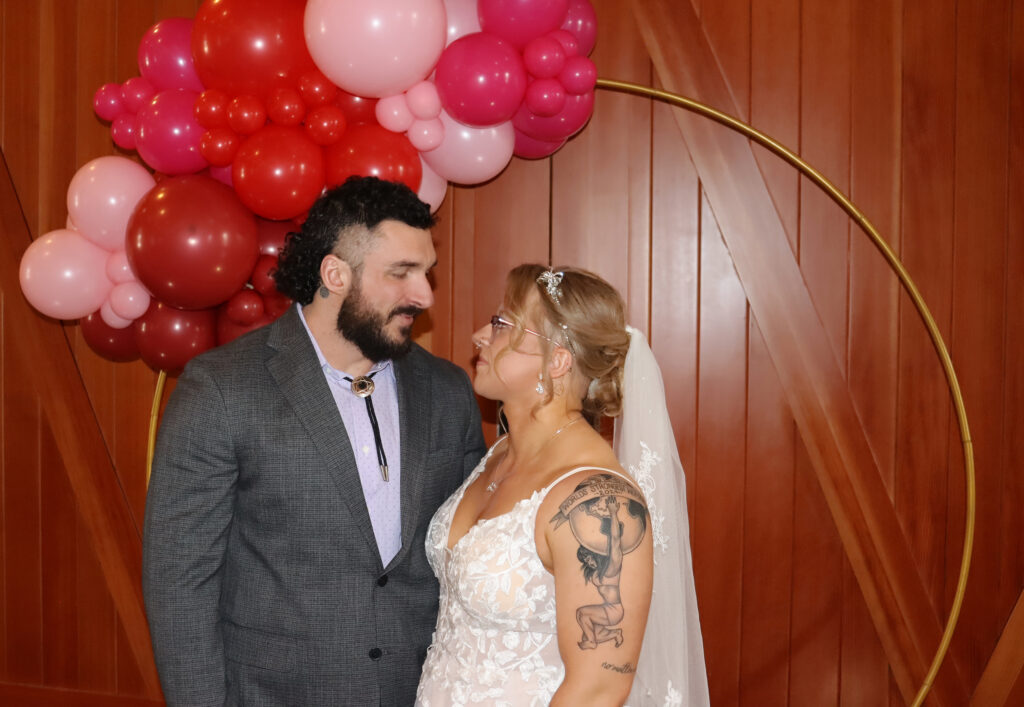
<point>496,641</point>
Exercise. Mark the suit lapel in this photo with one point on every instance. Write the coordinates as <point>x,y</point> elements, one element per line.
<point>414,412</point>
<point>296,370</point>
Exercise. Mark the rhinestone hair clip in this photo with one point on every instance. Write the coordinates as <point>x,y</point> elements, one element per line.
<point>552,282</point>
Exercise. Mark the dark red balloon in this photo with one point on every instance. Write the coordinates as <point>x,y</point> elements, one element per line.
<point>250,46</point>
<point>191,242</point>
<point>278,172</point>
<point>272,235</point>
<point>212,109</point>
<point>112,344</point>
<point>228,330</point>
<point>261,278</point>
<point>285,106</point>
<point>218,146</point>
<point>246,114</point>
<point>168,338</point>
<point>276,303</point>
<point>357,109</point>
<point>325,125</point>
<point>244,307</point>
<point>316,89</point>
<point>372,151</point>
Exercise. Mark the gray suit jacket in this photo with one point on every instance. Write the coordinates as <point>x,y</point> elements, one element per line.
<point>261,576</point>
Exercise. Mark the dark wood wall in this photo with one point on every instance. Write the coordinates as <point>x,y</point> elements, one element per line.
<point>914,108</point>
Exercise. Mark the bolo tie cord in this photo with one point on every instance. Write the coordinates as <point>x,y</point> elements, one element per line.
<point>363,387</point>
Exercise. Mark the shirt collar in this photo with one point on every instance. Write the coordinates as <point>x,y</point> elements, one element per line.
<point>324,365</point>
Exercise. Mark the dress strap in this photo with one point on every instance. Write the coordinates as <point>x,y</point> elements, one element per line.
<point>578,469</point>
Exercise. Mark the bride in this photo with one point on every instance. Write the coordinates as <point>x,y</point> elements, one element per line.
<point>556,548</point>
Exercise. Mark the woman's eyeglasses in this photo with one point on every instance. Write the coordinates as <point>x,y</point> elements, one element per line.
<point>498,322</point>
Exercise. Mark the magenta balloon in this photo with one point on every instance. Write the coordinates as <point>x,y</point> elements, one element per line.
<point>545,97</point>
<point>64,276</point>
<point>222,175</point>
<point>136,92</point>
<point>462,19</point>
<point>376,48</point>
<point>168,135</point>
<point>165,55</point>
<point>519,21</point>
<point>578,76</point>
<point>544,57</point>
<point>433,187</point>
<point>564,124</point>
<point>107,101</point>
<point>124,130</point>
<point>533,149</point>
<point>128,300</point>
<point>469,155</point>
<point>581,22</point>
<point>101,197</point>
<point>480,79</point>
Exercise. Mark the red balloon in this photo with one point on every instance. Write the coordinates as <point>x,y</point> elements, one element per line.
<point>112,344</point>
<point>285,106</point>
<point>372,151</point>
<point>325,125</point>
<point>244,307</point>
<point>168,338</point>
<point>316,89</point>
<point>272,235</point>
<point>191,242</point>
<point>276,303</point>
<point>250,46</point>
<point>261,278</point>
<point>278,172</point>
<point>212,109</point>
<point>218,146</point>
<point>246,114</point>
<point>228,330</point>
<point>357,109</point>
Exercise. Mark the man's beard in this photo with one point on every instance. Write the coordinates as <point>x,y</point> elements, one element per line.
<point>364,327</point>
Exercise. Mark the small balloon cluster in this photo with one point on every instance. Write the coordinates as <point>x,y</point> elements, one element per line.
<point>247,112</point>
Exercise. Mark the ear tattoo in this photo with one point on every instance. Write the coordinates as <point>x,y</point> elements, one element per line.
<point>324,292</point>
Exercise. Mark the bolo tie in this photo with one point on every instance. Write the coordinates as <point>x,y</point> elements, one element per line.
<point>363,388</point>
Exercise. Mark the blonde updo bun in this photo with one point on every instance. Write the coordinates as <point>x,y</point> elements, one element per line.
<point>589,319</point>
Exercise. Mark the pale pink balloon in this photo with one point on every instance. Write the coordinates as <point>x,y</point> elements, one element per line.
<point>393,113</point>
<point>377,48</point>
<point>101,197</point>
<point>433,187</point>
<point>425,135</point>
<point>462,17</point>
<point>63,275</point>
<point>471,155</point>
<point>69,225</point>
<point>423,100</point>
<point>129,300</point>
<point>111,319</point>
<point>118,268</point>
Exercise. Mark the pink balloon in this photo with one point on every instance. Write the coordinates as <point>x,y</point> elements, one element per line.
<point>377,48</point>
<point>545,97</point>
<point>107,101</point>
<point>533,149</point>
<point>165,55</point>
<point>581,21</point>
<point>462,19</point>
<point>471,155</point>
<point>111,318</point>
<point>393,113</point>
<point>101,197</point>
<point>124,131</point>
<point>425,135</point>
<point>568,40</point>
<point>433,187</point>
<point>519,21</point>
<point>64,276</point>
<point>423,101</point>
<point>544,57</point>
<point>480,79</point>
<point>118,269</point>
<point>136,92</point>
<point>168,136</point>
<point>566,123</point>
<point>128,300</point>
<point>578,76</point>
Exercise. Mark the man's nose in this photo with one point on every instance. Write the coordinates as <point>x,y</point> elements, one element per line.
<point>422,293</point>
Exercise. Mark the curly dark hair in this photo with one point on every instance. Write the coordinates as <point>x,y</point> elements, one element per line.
<point>343,221</point>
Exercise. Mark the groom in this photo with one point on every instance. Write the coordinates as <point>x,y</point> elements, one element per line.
<point>296,472</point>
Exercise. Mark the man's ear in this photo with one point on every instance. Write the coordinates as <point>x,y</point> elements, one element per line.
<point>336,275</point>
<point>560,362</point>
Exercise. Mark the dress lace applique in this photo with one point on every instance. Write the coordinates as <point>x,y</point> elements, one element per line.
<point>642,473</point>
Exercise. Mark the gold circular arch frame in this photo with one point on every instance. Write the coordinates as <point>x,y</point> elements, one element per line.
<point>915,296</point>
<point>894,263</point>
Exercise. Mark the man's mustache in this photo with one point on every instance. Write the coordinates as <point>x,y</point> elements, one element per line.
<point>409,309</point>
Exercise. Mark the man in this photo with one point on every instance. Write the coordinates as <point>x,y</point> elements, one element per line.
<point>296,472</point>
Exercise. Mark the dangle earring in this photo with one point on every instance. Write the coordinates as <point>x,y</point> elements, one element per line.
<point>540,384</point>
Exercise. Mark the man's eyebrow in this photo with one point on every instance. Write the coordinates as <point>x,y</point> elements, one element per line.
<point>411,264</point>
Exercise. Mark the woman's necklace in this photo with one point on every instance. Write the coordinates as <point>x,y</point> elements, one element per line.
<point>493,486</point>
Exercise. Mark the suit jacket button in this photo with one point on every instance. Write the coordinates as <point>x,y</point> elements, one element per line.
<point>375,653</point>
<point>382,580</point>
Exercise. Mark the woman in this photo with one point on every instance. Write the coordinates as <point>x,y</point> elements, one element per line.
<point>548,553</point>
